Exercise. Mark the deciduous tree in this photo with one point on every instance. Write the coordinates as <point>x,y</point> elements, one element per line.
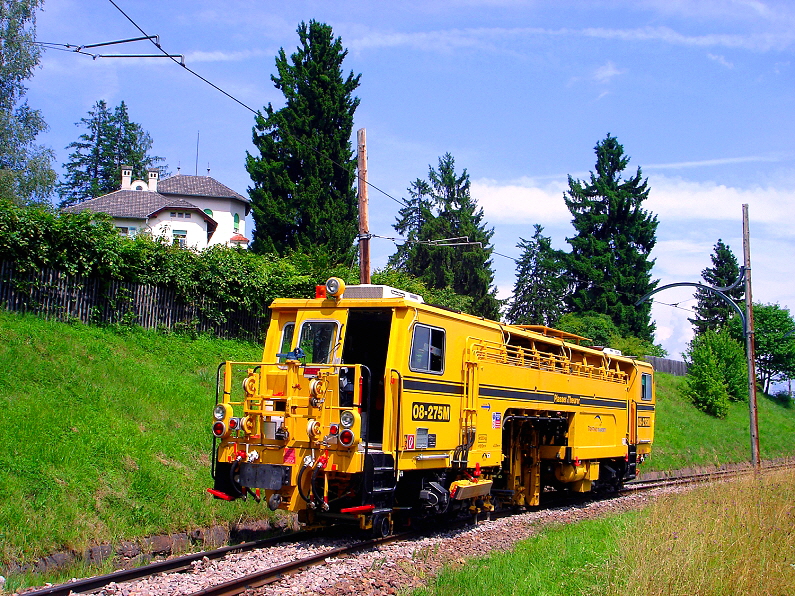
<point>609,261</point>
<point>26,174</point>
<point>303,196</point>
<point>774,346</point>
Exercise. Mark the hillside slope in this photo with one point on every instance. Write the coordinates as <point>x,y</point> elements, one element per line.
<point>686,437</point>
<point>106,434</point>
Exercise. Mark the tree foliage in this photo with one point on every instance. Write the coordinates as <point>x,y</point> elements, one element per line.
<point>26,174</point>
<point>602,331</point>
<point>110,141</point>
<point>774,349</point>
<point>716,372</point>
<point>609,262</point>
<point>712,312</point>
<point>541,286</point>
<point>441,211</point>
<point>220,280</point>
<point>303,197</point>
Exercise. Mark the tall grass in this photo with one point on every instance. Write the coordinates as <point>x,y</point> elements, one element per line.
<point>105,434</point>
<point>729,538</point>
<point>724,539</point>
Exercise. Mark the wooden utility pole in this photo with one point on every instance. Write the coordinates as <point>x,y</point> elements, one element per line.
<point>749,342</point>
<point>364,221</point>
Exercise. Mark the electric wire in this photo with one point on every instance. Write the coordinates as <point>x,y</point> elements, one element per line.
<point>246,106</point>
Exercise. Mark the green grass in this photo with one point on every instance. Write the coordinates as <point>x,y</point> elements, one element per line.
<point>686,437</point>
<point>725,539</point>
<point>105,434</point>
<point>559,560</point>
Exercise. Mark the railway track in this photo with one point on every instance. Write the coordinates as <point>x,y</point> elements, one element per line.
<point>277,572</point>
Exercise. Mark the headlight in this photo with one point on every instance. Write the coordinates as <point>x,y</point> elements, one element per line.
<point>219,412</point>
<point>347,418</point>
<point>335,287</point>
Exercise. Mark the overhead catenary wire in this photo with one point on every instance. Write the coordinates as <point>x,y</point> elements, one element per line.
<point>246,106</point>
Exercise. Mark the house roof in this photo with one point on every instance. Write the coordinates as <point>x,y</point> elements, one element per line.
<point>136,204</point>
<point>197,186</point>
<point>239,238</point>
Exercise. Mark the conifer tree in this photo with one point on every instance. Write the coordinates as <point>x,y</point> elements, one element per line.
<point>303,196</point>
<point>440,209</point>
<point>712,312</point>
<point>110,141</point>
<point>609,261</point>
<point>540,287</point>
<point>26,174</point>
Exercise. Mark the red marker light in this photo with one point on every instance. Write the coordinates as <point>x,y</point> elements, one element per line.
<point>219,429</point>
<point>320,292</point>
<point>347,437</point>
<point>334,429</point>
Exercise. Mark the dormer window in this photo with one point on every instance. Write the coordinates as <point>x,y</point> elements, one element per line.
<point>138,187</point>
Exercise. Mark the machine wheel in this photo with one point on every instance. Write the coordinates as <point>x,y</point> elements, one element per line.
<point>381,526</point>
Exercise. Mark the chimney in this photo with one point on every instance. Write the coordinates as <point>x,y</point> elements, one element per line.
<point>126,177</point>
<point>154,174</point>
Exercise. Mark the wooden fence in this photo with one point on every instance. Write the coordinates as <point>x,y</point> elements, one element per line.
<point>674,367</point>
<point>57,295</point>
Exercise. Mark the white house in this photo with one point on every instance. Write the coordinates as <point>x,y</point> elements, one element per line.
<point>192,211</point>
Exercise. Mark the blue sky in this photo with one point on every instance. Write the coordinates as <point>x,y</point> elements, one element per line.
<point>700,93</point>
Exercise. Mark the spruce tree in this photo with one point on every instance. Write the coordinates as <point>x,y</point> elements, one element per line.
<point>110,141</point>
<point>540,286</point>
<point>712,312</point>
<point>442,211</point>
<point>609,262</point>
<point>26,174</point>
<point>303,196</point>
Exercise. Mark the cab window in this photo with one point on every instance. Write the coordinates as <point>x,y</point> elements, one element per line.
<point>287,340</point>
<point>645,387</point>
<point>317,341</point>
<point>427,349</point>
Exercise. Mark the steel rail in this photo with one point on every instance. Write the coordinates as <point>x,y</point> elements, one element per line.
<point>260,578</point>
<point>171,565</point>
<point>273,574</point>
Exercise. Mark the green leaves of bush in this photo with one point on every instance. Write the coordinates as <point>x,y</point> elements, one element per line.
<point>219,280</point>
<point>717,373</point>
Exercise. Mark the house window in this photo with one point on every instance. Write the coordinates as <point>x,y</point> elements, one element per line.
<point>123,231</point>
<point>427,349</point>
<point>138,187</point>
<point>180,238</point>
<point>187,216</point>
<point>132,231</point>
<point>173,214</point>
<point>237,222</point>
<point>180,215</point>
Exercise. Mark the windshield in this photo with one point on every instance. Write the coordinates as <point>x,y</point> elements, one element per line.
<point>317,341</point>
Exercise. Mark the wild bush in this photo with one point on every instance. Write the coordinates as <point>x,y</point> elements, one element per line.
<point>717,372</point>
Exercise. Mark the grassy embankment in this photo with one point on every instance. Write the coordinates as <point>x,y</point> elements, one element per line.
<point>105,435</point>
<point>731,538</point>
<point>718,540</point>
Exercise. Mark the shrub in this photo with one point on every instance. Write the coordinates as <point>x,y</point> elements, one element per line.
<point>717,372</point>
<point>601,330</point>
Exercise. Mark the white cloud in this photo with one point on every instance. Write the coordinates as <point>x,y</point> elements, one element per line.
<point>711,162</point>
<point>220,56</point>
<point>720,60</point>
<point>498,38</point>
<point>606,72</point>
<point>685,200</point>
<point>521,201</point>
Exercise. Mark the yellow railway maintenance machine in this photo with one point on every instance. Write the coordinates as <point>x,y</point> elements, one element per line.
<point>370,406</point>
